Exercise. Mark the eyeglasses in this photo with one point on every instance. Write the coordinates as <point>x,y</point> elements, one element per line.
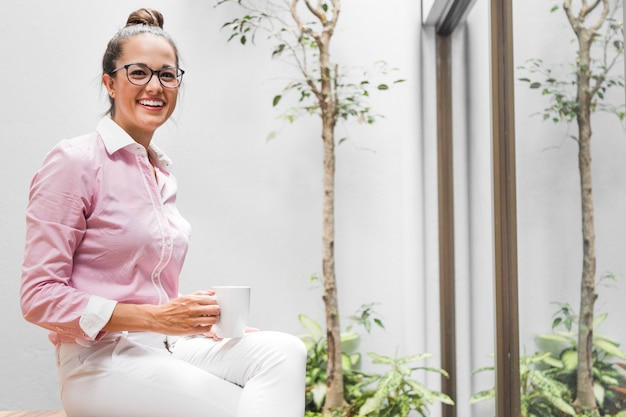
<point>140,74</point>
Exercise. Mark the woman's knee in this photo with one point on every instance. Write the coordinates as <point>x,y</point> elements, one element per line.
<point>291,343</point>
<point>285,346</point>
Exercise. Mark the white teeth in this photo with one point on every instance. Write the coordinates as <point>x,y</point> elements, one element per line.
<point>152,103</point>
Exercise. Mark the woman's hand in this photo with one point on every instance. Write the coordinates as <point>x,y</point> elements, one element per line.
<point>185,315</point>
<point>188,314</point>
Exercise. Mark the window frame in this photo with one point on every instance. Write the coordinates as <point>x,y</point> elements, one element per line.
<point>445,16</point>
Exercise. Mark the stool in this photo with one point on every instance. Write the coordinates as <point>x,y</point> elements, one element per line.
<point>47,413</point>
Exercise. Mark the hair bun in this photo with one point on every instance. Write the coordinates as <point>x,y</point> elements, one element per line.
<point>149,17</point>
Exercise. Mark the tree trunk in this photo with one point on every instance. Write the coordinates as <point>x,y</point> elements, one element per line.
<point>585,402</point>
<point>334,393</point>
<point>585,398</point>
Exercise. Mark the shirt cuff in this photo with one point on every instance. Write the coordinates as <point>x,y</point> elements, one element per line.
<point>96,315</point>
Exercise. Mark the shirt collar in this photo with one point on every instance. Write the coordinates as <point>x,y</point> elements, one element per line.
<point>116,138</point>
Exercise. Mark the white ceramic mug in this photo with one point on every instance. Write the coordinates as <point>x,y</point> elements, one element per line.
<point>234,302</point>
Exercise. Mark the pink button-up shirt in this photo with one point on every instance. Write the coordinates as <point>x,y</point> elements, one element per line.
<point>101,229</point>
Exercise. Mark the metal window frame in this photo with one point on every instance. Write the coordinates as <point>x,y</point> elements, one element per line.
<point>445,191</point>
<point>505,211</point>
<point>445,16</point>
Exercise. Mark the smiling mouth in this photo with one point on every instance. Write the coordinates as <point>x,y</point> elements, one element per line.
<point>152,103</point>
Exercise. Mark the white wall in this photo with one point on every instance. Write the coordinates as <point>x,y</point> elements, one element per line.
<point>255,206</point>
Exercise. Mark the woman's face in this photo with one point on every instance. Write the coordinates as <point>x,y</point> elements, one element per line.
<point>140,110</point>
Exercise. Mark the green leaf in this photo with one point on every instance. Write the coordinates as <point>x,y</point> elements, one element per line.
<point>599,319</point>
<point>383,87</point>
<point>311,326</point>
<point>555,363</point>
<point>276,100</point>
<point>609,380</point>
<point>488,394</point>
<point>535,85</point>
<point>346,362</point>
<point>610,348</point>
<point>560,337</point>
<point>279,50</point>
<point>552,390</point>
<point>355,358</point>
<point>431,369</point>
<point>414,358</point>
<point>483,369</point>
<point>570,360</point>
<point>319,393</point>
<point>387,385</point>
<point>554,9</point>
<point>271,136</point>
<point>349,341</point>
<point>380,359</point>
<point>598,392</point>
<point>442,397</point>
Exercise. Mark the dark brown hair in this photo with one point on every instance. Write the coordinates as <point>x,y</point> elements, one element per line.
<point>138,22</point>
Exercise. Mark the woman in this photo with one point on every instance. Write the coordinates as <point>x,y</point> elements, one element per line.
<point>104,249</point>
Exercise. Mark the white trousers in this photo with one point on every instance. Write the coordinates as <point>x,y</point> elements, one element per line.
<point>133,375</point>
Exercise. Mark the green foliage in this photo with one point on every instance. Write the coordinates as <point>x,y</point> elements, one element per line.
<point>548,378</point>
<point>366,317</point>
<point>396,393</point>
<point>317,360</point>
<point>391,393</point>
<point>560,84</point>
<point>296,43</point>
<point>353,89</point>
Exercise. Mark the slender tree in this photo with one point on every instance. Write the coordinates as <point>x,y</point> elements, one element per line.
<point>592,78</point>
<point>302,31</point>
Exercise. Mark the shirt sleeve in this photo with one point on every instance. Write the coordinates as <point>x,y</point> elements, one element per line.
<point>96,315</point>
<point>59,201</point>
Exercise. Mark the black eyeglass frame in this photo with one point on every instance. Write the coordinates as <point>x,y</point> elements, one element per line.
<point>152,72</point>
